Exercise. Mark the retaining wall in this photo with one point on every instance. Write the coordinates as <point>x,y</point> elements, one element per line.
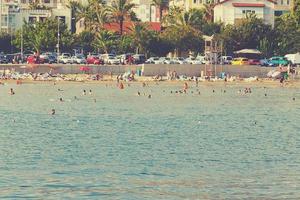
<point>147,69</point>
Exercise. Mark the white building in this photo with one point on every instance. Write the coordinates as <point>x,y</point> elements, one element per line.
<point>14,12</point>
<point>234,11</point>
<point>146,11</point>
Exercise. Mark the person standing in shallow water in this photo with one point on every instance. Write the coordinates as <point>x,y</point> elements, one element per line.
<point>12,92</point>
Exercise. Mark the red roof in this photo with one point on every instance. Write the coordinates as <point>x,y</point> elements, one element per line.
<point>115,27</point>
<point>224,1</point>
<point>248,4</point>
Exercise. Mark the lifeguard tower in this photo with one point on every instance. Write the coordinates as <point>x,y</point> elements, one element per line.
<point>213,54</point>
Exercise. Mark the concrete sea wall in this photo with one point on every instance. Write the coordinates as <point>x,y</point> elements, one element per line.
<point>147,69</point>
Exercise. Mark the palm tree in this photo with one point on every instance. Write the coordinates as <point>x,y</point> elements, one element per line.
<point>209,12</point>
<point>81,11</point>
<point>105,40</point>
<point>190,20</point>
<point>120,10</point>
<point>183,28</point>
<point>99,12</point>
<point>162,4</point>
<point>139,34</point>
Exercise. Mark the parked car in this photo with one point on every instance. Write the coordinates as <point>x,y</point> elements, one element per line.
<point>264,62</point>
<point>153,60</point>
<point>254,62</point>
<point>226,60</point>
<point>166,60</point>
<point>34,59</point>
<point>293,58</point>
<point>162,60</point>
<point>278,60</point>
<point>65,58</point>
<point>52,59</point>
<point>240,61</point>
<point>139,58</point>
<point>112,60</point>
<point>105,57</point>
<point>180,60</point>
<point>3,59</point>
<point>79,59</point>
<point>94,60</point>
<point>126,58</point>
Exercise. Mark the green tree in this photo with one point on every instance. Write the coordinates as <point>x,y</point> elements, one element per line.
<point>251,33</point>
<point>124,44</point>
<point>296,10</point>
<point>288,34</point>
<point>105,41</point>
<point>42,36</point>
<point>183,30</point>
<point>120,10</point>
<point>85,41</point>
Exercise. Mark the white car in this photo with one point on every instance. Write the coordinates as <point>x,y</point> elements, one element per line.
<point>78,59</point>
<point>194,61</point>
<point>226,60</point>
<point>65,58</point>
<point>153,60</point>
<point>111,60</point>
<point>179,60</point>
<point>168,61</point>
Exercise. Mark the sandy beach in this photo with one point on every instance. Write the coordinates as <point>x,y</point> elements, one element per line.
<point>149,80</point>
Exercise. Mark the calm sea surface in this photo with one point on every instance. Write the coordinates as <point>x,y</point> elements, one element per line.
<point>172,146</point>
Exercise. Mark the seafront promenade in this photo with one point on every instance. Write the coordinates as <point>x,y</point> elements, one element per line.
<point>244,71</point>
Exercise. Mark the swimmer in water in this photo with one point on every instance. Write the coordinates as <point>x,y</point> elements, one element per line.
<point>12,92</point>
<point>90,92</point>
<point>95,100</point>
<point>53,112</point>
<point>143,84</point>
<point>61,100</point>
<point>149,96</point>
<point>185,87</point>
<point>75,98</point>
<point>84,92</point>
<point>138,93</point>
<point>60,90</point>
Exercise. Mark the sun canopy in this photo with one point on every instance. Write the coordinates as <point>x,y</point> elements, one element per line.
<point>248,51</point>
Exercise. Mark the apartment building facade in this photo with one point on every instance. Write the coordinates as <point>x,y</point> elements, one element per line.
<point>13,13</point>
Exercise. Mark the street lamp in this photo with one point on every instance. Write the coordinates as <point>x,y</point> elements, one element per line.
<point>58,34</point>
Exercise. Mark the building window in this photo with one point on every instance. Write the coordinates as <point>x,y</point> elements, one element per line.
<point>248,11</point>
<point>46,1</point>
<point>32,19</point>
<point>281,2</point>
<point>195,1</point>
<point>23,1</point>
<point>288,2</point>
<point>278,13</point>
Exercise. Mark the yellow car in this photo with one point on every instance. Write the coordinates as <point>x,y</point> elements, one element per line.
<point>239,61</point>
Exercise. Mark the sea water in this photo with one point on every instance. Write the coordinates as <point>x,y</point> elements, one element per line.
<point>114,144</point>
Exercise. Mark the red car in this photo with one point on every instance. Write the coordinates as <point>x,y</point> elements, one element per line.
<point>94,60</point>
<point>254,62</point>
<point>33,59</point>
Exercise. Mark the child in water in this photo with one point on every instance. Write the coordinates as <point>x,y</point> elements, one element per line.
<point>12,92</point>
